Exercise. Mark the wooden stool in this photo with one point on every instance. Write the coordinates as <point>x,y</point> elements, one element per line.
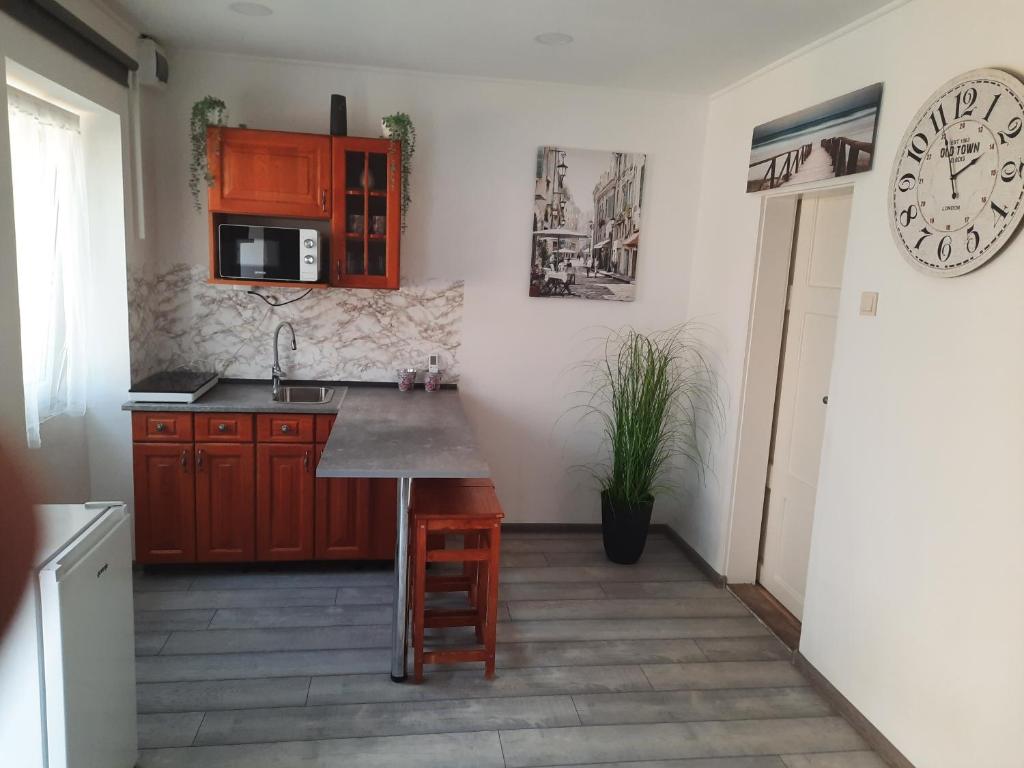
<point>470,508</point>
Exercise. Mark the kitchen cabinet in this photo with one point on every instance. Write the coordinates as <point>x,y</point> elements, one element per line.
<point>284,501</point>
<point>270,173</point>
<point>164,503</point>
<point>342,516</point>
<point>242,487</point>
<point>225,497</point>
<point>366,221</point>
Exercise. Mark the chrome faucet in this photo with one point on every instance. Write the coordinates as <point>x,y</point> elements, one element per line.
<point>275,371</point>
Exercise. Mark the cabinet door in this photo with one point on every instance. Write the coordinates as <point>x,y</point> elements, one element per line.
<point>366,223</point>
<point>269,172</point>
<point>342,516</point>
<point>165,522</point>
<point>284,501</point>
<point>225,502</point>
<point>383,516</point>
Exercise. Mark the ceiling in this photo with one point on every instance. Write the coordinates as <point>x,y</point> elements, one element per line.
<point>682,46</point>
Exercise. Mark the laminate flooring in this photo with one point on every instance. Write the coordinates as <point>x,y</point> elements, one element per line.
<point>644,666</point>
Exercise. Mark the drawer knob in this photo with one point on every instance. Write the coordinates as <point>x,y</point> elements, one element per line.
<point>160,426</point>
<point>285,428</point>
<point>222,427</point>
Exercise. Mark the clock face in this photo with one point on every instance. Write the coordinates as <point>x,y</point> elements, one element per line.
<point>957,186</point>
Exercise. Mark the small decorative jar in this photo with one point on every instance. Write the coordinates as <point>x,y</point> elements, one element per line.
<point>406,379</point>
<point>432,381</point>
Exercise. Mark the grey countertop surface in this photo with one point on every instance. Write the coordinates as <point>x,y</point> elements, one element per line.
<point>381,432</point>
<point>244,397</point>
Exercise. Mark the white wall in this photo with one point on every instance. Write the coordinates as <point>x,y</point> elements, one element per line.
<point>913,607</point>
<point>472,183</point>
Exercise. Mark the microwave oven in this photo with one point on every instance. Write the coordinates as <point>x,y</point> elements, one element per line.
<point>284,254</point>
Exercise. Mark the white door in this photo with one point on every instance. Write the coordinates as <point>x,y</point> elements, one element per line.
<point>812,308</point>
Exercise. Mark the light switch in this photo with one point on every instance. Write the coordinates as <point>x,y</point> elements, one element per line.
<point>869,303</point>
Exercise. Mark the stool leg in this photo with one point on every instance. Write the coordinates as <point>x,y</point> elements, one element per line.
<point>471,570</point>
<point>491,617</point>
<point>419,594</point>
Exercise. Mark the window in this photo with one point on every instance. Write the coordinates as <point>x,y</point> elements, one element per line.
<point>51,232</point>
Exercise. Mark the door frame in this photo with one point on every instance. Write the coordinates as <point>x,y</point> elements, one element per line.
<point>775,241</point>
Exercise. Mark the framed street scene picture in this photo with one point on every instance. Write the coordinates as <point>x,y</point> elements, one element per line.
<point>834,138</point>
<point>586,224</point>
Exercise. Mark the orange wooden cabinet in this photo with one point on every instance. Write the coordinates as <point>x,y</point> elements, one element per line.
<point>366,221</point>
<point>164,503</point>
<point>269,173</point>
<point>284,501</point>
<point>225,497</point>
<point>342,517</point>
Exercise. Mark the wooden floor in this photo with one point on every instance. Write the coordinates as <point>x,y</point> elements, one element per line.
<point>646,666</point>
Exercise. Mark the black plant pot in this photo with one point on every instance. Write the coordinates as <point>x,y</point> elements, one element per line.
<point>624,528</point>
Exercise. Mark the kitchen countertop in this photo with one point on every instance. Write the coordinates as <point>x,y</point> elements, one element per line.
<point>244,397</point>
<point>382,432</point>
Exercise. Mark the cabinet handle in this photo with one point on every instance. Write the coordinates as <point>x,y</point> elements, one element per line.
<point>184,460</point>
<point>305,460</point>
<point>199,459</point>
<point>222,427</point>
<point>160,426</point>
<point>323,200</point>
<point>285,428</point>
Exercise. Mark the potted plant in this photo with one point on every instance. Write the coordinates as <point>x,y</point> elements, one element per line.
<point>399,127</point>
<point>208,111</point>
<point>653,394</point>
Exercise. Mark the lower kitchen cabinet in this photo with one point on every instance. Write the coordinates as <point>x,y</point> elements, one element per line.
<point>342,516</point>
<point>284,501</point>
<point>225,502</point>
<point>165,523</point>
<point>242,487</point>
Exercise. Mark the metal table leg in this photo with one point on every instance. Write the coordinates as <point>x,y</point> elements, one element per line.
<point>398,620</point>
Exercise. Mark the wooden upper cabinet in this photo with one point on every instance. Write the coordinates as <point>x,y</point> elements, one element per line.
<point>165,520</point>
<point>225,502</point>
<point>269,173</point>
<point>366,224</point>
<point>284,501</point>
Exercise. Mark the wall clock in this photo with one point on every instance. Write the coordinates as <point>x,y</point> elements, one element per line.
<point>957,185</point>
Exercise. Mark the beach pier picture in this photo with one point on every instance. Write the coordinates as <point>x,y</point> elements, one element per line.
<point>832,139</point>
<point>586,224</point>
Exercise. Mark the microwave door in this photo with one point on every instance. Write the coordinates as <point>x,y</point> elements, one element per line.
<point>281,254</point>
<point>249,254</point>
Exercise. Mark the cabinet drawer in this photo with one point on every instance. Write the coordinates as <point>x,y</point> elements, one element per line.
<point>285,427</point>
<point>224,427</point>
<point>158,426</point>
<point>323,427</point>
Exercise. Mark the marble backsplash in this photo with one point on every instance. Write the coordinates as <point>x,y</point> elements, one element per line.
<point>178,319</point>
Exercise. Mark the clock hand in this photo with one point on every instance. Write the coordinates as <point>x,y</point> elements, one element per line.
<point>968,165</point>
<point>949,157</point>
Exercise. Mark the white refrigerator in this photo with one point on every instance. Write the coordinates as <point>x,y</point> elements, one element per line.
<point>67,664</point>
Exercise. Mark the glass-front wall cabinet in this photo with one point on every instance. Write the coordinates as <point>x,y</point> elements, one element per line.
<point>366,216</point>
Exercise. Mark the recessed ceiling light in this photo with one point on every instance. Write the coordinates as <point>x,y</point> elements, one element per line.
<point>250,9</point>
<point>553,38</point>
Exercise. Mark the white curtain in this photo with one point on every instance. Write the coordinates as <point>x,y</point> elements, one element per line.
<point>51,229</point>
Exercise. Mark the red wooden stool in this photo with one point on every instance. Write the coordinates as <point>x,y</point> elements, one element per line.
<point>470,508</point>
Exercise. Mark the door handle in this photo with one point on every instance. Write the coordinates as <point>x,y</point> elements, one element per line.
<point>199,459</point>
<point>824,400</point>
<point>222,427</point>
<point>184,460</point>
<point>285,428</point>
<point>160,426</point>
<point>323,200</point>
<point>305,460</point>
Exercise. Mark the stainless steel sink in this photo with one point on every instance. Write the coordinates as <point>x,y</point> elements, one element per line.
<point>298,394</point>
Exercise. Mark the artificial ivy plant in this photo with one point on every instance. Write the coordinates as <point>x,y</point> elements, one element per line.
<point>208,111</point>
<point>400,128</point>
